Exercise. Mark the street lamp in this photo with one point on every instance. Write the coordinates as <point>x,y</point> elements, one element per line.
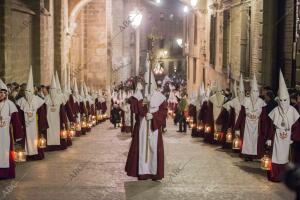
<point>185,9</point>
<point>179,42</point>
<point>158,1</point>
<point>194,3</point>
<point>135,18</point>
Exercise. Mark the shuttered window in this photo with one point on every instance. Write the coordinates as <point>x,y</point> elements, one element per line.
<point>212,43</point>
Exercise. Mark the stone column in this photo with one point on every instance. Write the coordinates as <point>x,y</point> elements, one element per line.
<point>5,33</point>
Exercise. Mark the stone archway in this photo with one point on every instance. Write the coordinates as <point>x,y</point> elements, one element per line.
<point>87,41</point>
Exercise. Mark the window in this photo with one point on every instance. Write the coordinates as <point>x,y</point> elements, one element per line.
<point>187,68</point>
<point>212,43</point>
<point>226,35</point>
<point>161,43</point>
<point>195,29</point>
<point>245,42</point>
<point>194,70</point>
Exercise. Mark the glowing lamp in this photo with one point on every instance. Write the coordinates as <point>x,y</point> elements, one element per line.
<point>216,135</point>
<point>207,128</point>
<point>266,162</point>
<point>193,125</point>
<point>237,143</point>
<point>42,142</point>
<point>200,127</point>
<point>72,133</point>
<point>229,136</point>
<point>78,127</point>
<point>83,124</point>
<point>20,156</point>
<point>64,134</point>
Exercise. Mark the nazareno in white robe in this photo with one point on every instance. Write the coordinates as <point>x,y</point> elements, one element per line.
<point>149,167</point>
<point>30,112</point>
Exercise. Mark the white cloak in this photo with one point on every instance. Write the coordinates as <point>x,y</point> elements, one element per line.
<point>282,138</point>
<point>251,125</point>
<point>150,167</point>
<point>31,142</point>
<point>7,110</point>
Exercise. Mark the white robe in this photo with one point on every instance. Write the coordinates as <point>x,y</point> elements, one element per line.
<point>149,167</point>
<point>253,113</point>
<point>127,114</point>
<point>7,110</point>
<point>31,142</point>
<point>282,138</point>
<point>53,117</point>
<point>236,105</point>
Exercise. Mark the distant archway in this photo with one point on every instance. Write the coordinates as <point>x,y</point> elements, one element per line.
<point>74,13</point>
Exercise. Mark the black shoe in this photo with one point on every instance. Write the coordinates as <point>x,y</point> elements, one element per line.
<point>179,131</point>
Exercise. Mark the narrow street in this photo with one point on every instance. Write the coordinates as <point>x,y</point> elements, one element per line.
<point>93,168</point>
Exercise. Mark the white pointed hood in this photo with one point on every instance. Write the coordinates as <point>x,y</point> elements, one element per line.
<point>82,94</point>
<point>3,86</point>
<point>69,80</point>
<point>254,95</point>
<point>235,88</point>
<point>65,80</point>
<point>57,82</point>
<point>202,90</point>
<point>282,91</point>
<point>241,86</point>
<point>53,83</point>
<point>75,89</point>
<point>254,85</point>
<point>153,85</point>
<point>29,86</point>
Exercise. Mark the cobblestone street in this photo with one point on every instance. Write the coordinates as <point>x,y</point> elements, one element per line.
<point>93,168</point>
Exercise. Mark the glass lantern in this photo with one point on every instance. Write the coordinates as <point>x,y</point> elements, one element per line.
<point>193,125</point>
<point>20,156</point>
<point>64,133</point>
<point>83,123</point>
<point>216,135</point>
<point>78,127</point>
<point>200,127</point>
<point>229,136</point>
<point>207,128</point>
<point>42,142</point>
<point>265,163</point>
<point>237,143</point>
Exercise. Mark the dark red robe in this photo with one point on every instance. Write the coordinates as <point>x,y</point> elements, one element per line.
<point>207,118</point>
<point>16,133</point>
<point>76,110</point>
<point>83,112</point>
<point>157,123</point>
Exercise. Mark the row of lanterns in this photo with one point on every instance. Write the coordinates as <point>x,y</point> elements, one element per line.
<point>236,142</point>
<point>20,154</point>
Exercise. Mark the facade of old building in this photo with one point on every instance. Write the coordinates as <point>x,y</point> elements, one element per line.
<point>224,38</point>
<point>51,35</point>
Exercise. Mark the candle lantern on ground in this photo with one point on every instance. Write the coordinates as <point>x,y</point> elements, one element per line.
<point>20,156</point>
<point>266,162</point>
<point>229,136</point>
<point>42,142</point>
<point>63,133</point>
<point>78,126</point>
<point>200,127</point>
<point>207,128</point>
<point>83,123</point>
<point>237,143</point>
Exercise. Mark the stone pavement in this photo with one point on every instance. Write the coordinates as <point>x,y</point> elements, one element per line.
<point>93,169</point>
